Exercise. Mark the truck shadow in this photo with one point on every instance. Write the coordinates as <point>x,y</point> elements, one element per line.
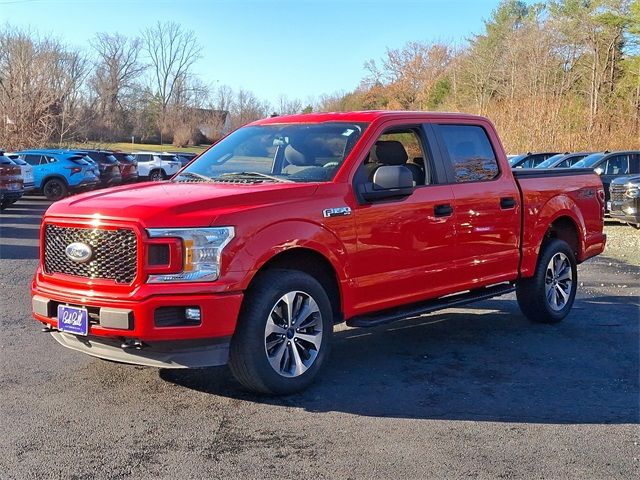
<point>485,364</point>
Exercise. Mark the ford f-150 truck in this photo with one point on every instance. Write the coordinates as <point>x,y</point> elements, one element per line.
<point>289,225</point>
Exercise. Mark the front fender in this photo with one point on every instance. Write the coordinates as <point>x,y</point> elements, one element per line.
<point>250,255</point>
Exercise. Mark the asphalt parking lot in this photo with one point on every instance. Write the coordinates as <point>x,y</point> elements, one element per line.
<point>465,393</point>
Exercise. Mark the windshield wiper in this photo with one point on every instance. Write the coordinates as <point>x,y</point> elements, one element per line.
<point>255,175</point>
<point>196,176</point>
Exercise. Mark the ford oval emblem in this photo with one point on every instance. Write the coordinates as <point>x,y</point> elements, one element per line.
<point>79,252</point>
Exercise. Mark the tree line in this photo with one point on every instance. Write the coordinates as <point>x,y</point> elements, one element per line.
<point>558,75</point>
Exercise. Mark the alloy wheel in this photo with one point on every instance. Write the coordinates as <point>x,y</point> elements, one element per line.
<point>293,334</point>
<point>558,281</point>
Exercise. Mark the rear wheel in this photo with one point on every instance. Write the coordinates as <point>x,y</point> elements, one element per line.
<point>4,204</point>
<point>284,333</point>
<point>54,189</point>
<point>156,175</point>
<point>548,296</point>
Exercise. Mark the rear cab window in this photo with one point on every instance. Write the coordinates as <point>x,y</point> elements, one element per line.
<point>469,152</point>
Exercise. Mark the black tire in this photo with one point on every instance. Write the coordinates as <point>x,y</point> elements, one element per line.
<point>156,175</point>
<point>532,292</point>
<point>248,357</point>
<point>4,204</point>
<point>55,189</point>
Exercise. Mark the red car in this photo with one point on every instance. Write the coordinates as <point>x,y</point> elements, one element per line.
<point>292,224</point>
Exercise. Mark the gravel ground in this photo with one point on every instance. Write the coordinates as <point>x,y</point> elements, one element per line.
<point>474,392</point>
<point>623,242</point>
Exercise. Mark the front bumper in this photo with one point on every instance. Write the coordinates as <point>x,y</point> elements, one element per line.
<point>627,211</point>
<point>116,324</point>
<point>161,354</point>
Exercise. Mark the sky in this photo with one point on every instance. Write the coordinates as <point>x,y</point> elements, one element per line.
<point>297,48</point>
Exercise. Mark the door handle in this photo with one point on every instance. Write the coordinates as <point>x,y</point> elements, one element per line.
<point>507,202</point>
<point>443,210</point>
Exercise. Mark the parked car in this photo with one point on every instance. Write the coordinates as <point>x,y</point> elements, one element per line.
<point>183,157</point>
<point>562,160</point>
<point>56,173</point>
<point>253,259</point>
<point>108,166</point>
<point>25,169</point>
<point>530,160</point>
<point>156,166</point>
<point>611,165</point>
<point>11,184</point>
<point>128,166</point>
<point>624,203</point>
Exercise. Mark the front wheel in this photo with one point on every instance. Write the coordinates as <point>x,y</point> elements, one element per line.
<point>548,296</point>
<point>284,333</point>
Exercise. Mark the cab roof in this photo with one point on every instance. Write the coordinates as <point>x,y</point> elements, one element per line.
<point>363,116</point>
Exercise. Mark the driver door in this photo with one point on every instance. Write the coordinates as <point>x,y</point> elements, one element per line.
<point>405,247</point>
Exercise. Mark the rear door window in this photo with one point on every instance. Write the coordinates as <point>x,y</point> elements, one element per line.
<point>470,152</point>
<point>32,159</point>
<point>143,157</point>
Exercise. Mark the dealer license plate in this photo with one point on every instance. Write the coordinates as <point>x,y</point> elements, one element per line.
<point>73,320</point>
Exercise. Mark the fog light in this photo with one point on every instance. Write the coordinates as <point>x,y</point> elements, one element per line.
<point>192,314</point>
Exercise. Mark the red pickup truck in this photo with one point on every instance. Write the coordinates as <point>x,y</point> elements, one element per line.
<point>289,225</point>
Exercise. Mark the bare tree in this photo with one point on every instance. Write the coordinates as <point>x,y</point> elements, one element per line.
<point>117,67</point>
<point>40,89</point>
<point>285,106</point>
<point>172,52</point>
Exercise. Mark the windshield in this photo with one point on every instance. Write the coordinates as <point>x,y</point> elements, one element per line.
<point>302,152</point>
<point>516,159</point>
<point>588,161</point>
<point>550,161</point>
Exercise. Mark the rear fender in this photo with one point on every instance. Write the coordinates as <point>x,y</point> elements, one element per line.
<point>539,221</point>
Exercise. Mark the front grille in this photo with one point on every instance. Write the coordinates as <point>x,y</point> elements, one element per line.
<point>115,253</point>
<point>617,193</point>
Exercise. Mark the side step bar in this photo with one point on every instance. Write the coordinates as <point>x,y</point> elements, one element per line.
<point>416,309</point>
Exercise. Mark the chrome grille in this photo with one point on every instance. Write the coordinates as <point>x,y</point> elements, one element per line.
<point>115,252</point>
<point>617,193</point>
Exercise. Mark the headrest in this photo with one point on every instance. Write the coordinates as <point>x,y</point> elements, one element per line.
<point>296,157</point>
<point>388,152</point>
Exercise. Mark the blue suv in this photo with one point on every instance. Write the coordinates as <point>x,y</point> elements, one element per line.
<point>58,173</point>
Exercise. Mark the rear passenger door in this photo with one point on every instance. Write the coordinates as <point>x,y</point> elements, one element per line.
<point>487,206</point>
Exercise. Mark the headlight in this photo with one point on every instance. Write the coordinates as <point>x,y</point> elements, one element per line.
<point>632,191</point>
<point>202,249</point>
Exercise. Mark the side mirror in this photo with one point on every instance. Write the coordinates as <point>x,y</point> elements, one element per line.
<point>393,181</point>
<point>599,171</point>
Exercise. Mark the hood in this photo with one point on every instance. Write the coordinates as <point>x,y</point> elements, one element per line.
<point>629,178</point>
<point>174,204</point>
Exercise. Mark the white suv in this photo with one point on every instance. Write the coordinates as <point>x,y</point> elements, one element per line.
<point>156,166</point>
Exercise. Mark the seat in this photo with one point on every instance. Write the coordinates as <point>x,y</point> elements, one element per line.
<point>391,152</point>
<point>298,159</point>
